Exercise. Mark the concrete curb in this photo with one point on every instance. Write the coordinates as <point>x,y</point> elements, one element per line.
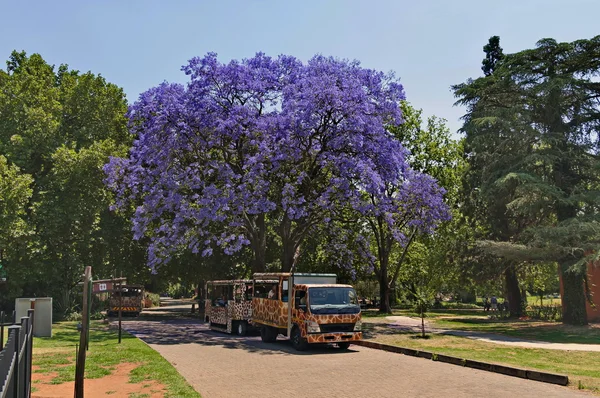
<point>488,367</point>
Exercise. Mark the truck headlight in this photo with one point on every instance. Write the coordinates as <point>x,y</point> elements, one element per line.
<point>358,326</point>
<point>312,327</point>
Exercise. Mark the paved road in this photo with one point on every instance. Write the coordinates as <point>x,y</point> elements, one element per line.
<point>220,365</point>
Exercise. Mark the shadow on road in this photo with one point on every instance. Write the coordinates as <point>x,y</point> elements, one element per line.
<point>165,330</point>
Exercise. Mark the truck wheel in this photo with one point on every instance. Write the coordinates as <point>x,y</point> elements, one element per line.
<point>241,328</point>
<point>343,346</point>
<point>267,334</point>
<point>298,342</point>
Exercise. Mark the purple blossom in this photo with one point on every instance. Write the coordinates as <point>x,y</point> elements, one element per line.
<point>266,136</point>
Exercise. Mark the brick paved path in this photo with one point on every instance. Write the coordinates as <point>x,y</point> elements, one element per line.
<point>220,365</point>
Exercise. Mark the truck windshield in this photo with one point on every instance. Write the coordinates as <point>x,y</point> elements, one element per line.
<point>333,300</point>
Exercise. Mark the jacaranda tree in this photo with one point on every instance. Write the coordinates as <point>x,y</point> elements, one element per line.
<point>265,146</point>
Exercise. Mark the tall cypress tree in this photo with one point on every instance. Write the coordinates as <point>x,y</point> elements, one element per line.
<point>493,55</point>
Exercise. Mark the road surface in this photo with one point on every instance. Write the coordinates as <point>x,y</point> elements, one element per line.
<point>221,365</point>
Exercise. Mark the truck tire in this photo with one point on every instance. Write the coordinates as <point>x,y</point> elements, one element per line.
<point>343,346</point>
<point>241,328</point>
<point>268,334</point>
<point>298,342</point>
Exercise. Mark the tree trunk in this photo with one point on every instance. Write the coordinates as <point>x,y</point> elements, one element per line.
<point>423,323</point>
<point>384,289</point>
<point>513,291</point>
<point>573,298</point>
<point>287,256</point>
<point>260,245</point>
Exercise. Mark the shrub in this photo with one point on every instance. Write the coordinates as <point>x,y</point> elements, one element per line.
<point>153,299</point>
<point>544,312</point>
<point>72,316</point>
<point>461,306</point>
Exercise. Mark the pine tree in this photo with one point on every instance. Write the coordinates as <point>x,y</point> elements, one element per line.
<point>533,128</point>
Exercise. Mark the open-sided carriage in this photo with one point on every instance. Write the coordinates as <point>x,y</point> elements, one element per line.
<point>129,298</point>
<point>228,305</point>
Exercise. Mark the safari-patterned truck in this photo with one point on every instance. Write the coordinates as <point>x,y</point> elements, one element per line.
<point>228,305</point>
<point>321,310</point>
<point>131,301</point>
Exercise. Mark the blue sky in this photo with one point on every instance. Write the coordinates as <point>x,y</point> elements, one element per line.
<point>429,44</point>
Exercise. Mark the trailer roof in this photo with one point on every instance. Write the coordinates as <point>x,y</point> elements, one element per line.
<point>311,285</point>
<point>261,275</point>
<point>229,282</point>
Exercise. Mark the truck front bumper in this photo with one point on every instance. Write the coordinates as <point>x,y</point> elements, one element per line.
<point>338,337</point>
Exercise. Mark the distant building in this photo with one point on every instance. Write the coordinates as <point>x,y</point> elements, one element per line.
<point>593,313</point>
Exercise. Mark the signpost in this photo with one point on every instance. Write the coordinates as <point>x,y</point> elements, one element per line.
<point>89,287</point>
<point>111,286</point>
<point>103,287</point>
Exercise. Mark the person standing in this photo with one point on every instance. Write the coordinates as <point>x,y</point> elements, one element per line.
<point>494,303</point>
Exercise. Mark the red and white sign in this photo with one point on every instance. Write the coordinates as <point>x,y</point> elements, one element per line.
<point>101,287</point>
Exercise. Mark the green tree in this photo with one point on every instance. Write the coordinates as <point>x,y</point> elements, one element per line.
<point>534,124</point>
<point>60,127</point>
<point>432,152</point>
<point>15,232</point>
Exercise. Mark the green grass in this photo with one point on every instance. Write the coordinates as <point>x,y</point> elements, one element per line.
<point>57,354</point>
<point>553,332</point>
<point>578,365</point>
<point>479,321</point>
<point>431,314</point>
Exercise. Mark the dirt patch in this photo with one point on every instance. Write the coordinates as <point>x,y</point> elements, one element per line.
<point>115,385</point>
<point>43,377</point>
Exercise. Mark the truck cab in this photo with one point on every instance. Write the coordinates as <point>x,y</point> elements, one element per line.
<point>320,310</point>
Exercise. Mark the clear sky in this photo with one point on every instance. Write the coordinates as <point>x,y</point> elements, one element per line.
<point>430,44</point>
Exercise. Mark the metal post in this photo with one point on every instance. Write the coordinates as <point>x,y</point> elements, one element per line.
<point>2,330</point>
<point>290,303</point>
<point>25,347</point>
<point>89,311</point>
<point>120,308</point>
<point>15,330</point>
<point>80,369</point>
<point>31,315</point>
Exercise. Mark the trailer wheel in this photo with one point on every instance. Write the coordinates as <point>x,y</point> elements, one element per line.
<point>298,342</point>
<point>343,346</point>
<point>268,334</point>
<point>241,328</point>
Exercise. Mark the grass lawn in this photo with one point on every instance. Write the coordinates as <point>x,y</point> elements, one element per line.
<point>579,366</point>
<point>479,321</point>
<point>554,332</point>
<point>57,354</point>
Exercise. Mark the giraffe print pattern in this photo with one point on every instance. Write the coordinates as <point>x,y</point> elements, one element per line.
<point>222,318</point>
<point>271,312</point>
